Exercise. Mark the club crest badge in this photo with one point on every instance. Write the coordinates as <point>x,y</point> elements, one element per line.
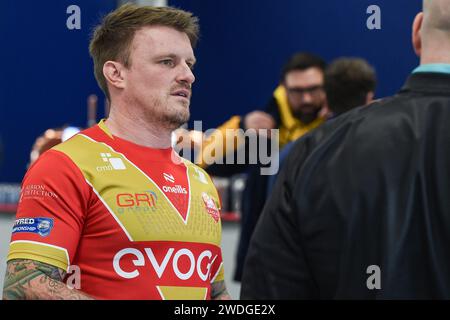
<point>210,206</point>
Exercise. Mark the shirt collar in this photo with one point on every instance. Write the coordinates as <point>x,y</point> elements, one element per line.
<point>433,67</point>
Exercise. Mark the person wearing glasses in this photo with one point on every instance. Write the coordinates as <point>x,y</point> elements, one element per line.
<point>349,83</point>
<point>297,106</point>
<point>361,207</point>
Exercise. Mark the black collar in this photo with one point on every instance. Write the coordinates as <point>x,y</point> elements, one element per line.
<point>428,82</point>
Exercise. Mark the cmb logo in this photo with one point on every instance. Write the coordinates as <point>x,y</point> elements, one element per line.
<point>171,259</point>
<point>110,163</point>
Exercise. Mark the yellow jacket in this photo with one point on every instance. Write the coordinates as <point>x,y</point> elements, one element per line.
<point>290,129</point>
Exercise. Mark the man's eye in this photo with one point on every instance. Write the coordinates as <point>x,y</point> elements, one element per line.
<point>167,62</point>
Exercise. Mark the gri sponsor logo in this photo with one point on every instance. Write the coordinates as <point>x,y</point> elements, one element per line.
<point>136,202</point>
<point>113,163</point>
<point>171,260</point>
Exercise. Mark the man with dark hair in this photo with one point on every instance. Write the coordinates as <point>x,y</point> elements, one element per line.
<point>301,78</point>
<point>294,109</point>
<point>349,83</point>
<point>360,209</point>
<point>114,212</point>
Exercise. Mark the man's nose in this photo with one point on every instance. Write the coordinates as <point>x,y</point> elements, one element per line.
<point>186,74</point>
<point>307,97</point>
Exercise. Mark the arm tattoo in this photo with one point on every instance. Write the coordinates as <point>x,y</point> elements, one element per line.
<point>30,279</point>
<point>219,291</point>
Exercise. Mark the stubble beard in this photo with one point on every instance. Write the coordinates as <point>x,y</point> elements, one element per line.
<point>166,115</point>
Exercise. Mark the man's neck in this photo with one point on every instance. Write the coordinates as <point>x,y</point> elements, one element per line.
<point>435,52</point>
<point>136,130</point>
<point>434,59</point>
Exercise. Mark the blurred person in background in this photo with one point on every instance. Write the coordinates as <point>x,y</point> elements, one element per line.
<point>349,83</point>
<point>296,107</point>
<point>360,210</point>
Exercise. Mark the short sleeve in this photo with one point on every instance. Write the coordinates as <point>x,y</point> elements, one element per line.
<point>51,212</point>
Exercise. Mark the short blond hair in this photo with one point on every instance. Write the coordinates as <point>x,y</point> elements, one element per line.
<point>111,40</point>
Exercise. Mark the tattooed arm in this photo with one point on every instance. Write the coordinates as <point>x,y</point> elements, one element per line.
<point>29,279</point>
<point>219,291</point>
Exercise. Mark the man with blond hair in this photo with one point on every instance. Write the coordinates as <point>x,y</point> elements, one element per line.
<point>361,208</point>
<point>114,212</point>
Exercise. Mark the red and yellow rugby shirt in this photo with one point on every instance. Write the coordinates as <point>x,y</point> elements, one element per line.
<point>140,223</point>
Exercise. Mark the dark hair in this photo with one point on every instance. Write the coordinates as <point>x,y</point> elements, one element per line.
<point>302,61</point>
<point>347,83</point>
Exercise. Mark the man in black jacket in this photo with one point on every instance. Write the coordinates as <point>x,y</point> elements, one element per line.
<point>361,208</point>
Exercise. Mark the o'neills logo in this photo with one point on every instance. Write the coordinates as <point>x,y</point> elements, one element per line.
<point>177,189</point>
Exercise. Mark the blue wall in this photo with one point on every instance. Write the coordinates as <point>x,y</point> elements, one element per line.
<point>47,73</point>
<point>245,43</point>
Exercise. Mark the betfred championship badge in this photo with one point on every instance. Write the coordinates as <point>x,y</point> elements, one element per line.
<point>41,226</point>
<point>210,206</point>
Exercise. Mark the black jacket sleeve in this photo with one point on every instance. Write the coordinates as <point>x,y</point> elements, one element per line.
<point>276,267</point>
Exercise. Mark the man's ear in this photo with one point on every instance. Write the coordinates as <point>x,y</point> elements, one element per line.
<point>416,35</point>
<point>114,74</point>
